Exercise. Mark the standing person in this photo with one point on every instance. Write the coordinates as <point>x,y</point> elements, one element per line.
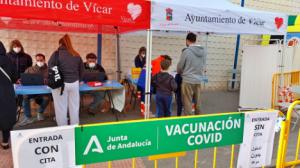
<point>178,96</point>
<point>164,84</point>
<point>91,66</point>
<point>191,67</point>
<point>40,68</point>
<point>140,59</point>
<point>8,111</point>
<point>71,67</point>
<point>19,58</point>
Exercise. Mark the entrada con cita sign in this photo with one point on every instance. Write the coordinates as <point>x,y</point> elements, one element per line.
<point>47,147</point>
<point>107,142</point>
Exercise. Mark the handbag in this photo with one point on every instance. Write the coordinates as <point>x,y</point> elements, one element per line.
<point>2,70</point>
<point>55,77</point>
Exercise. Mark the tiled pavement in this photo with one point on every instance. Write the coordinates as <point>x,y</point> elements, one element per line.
<point>120,164</point>
<point>6,162</point>
<point>5,159</point>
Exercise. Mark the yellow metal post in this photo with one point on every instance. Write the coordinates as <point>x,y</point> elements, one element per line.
<point>280,146</point>
<point>176,162</point>
<point>133,163</point>
<point>297,149</point>
<point>155,164</point>
<point>232,156</point>
<point>215,157</point>
<point>196,159</point>
<point>109,164</point>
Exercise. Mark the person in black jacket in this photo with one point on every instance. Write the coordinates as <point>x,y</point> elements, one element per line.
<point>8,106</point>
<point>178,80</point>
<point>164,84</point>
<point>98,97</point>
<point>71,67</point>
<point>140,59</point>
<point>19,58</point>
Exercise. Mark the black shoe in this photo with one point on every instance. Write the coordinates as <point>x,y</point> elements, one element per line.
<point>5,146</point>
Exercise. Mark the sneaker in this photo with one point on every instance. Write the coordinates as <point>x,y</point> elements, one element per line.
<point>26,121</point>
<point>40,117</point>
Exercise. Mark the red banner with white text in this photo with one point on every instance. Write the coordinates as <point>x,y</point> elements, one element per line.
<point>93,16</point>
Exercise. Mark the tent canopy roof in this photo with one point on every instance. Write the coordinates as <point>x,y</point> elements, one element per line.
<point>92,16</point>
<point>218,16</point>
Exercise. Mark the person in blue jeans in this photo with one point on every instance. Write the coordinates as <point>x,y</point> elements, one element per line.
<point>40,100</point>
<point>165,85</point>
<point>40,68</point>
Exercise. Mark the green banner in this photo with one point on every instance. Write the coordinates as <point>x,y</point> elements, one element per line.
<point>122,140</point>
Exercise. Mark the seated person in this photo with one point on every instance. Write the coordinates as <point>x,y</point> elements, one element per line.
<point>42,69</point>
<point>91,66</point>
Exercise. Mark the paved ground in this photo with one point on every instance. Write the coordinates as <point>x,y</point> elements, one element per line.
<point>213,102</point>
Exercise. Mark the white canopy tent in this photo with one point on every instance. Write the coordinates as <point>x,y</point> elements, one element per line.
<point>217,16</point>
<point>213,16</point>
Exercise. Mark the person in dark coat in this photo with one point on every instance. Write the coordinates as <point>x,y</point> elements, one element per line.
<point>140,59</point>
<point>178,80</point>
<point>8,106</point>
<point>19,58</point>
<point>21,61</point>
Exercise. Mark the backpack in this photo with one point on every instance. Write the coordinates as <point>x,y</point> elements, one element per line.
<point>55,77</point>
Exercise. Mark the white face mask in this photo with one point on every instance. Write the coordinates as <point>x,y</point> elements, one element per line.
<point>92,65</point>
<point>17,49</point>
<point>40,64</point>
<point>143,55</point>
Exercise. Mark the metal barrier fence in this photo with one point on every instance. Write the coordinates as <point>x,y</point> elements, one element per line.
<point>281,161</point>
<point>288,79</point>
<point>284,141</point>
<point>232,157</point>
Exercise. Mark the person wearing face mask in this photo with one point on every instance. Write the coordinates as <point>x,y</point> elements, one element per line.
<point>40,68</point>
<point>91,66</point>
<point>140,59</point>
<point>20,59</point>
<point>191,68</point>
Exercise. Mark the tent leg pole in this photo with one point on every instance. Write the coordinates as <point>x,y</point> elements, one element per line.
<point>205,57</point>
<point>148,74</point>
<point>118,58</point>
<point>236,56</point>
<point>99,48</point>
<point>282,60</point>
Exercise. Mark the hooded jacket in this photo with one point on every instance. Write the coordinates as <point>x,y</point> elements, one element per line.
<point>164,83</point>
<point>191,64</point>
